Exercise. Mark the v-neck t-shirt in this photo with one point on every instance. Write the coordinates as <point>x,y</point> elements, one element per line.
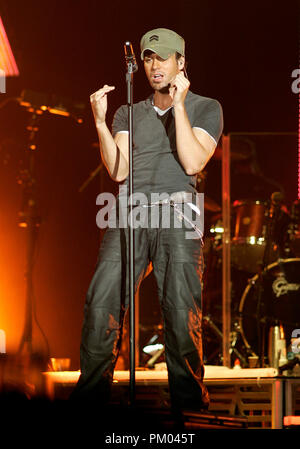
<point>156,165</point>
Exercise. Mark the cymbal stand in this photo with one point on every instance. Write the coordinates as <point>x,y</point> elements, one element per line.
<point>232,341</point>
<point>30,219</point>
<point>262,320</point>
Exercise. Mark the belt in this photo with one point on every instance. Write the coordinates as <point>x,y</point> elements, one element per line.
<point>178,198</point>
<point>175,198</point>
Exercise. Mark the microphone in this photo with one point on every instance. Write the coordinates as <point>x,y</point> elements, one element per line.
<point>129,56</point>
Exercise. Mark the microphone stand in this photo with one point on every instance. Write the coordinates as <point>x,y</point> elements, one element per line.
<point>129,82</point>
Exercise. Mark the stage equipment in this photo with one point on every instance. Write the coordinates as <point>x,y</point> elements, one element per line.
<point>39,101</point>
<point>277,355</point>
<point>226,250</point>
<point>29,215</point>
<point>248,242</point>
<point>131,69</point>
<point>29,218</point>
<point>213,340</point>
<point>280,303</point>
<point>92,175</point>
<point>7,60</point>
<point>226,237</point>
<point>250,234</point>
<point>245,238</point>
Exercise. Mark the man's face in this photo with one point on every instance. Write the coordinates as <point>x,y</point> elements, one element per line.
<point>160,72</point>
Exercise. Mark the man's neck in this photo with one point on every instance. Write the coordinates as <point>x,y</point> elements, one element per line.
<point>162,100</point>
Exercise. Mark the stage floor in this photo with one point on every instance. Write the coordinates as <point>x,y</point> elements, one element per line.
<point>258,394</point>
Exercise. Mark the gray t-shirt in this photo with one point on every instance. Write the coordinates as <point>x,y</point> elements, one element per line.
<point>156,166</point>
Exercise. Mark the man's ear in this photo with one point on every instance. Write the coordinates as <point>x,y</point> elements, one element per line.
<point>181,62</point>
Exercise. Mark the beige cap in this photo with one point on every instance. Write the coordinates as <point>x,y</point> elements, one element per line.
<point>163,42</point>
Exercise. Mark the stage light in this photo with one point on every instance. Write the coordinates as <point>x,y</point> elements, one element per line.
<point>217,230</point>
<point>252,240</point>
<point>7,60</point>
<point>2,342</point>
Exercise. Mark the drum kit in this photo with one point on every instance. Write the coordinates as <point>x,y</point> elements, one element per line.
<point>265,277</point>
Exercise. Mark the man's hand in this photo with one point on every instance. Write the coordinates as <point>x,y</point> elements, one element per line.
<point>99,103</point>
<point>178,89</point>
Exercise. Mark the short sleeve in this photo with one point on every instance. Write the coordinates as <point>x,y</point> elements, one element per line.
<point>120,120</point>
<point>210,118</point>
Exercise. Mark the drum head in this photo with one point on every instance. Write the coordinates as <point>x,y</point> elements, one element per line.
<point>279,293</point>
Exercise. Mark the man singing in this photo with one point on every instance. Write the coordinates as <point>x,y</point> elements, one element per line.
<point>175,133</point>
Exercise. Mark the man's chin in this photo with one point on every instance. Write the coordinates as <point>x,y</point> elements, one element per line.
<point>164,90</point>
<point>161,89</point>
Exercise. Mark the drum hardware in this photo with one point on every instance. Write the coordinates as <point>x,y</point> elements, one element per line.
<point>277,346</point>
<point>155,357</point>
<point>289,366</point>
<point>260,237</point>
<point>271,237</point>
<point>260,245</point>
<point>207,321</point>
<point>261,330</point>
<point>154,347</point>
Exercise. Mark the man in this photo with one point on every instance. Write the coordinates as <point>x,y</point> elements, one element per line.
<point>175,133</point>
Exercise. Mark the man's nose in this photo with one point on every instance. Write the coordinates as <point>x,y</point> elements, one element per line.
<point>155,63</point>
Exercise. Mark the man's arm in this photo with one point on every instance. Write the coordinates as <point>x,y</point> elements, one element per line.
<point>194,146</point>
<point>114,150</point>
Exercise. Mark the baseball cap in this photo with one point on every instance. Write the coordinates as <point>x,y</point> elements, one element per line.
<point>163,42</point>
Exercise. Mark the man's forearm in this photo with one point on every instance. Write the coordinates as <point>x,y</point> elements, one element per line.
<point>192,155</point>
<point>112,157</point>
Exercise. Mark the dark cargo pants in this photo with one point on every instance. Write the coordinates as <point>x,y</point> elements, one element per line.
<point>177,265</point>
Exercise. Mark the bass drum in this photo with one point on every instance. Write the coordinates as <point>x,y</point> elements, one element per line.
<point>280,302</point>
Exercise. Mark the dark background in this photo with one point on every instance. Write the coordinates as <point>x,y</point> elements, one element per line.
<point>242,54</point>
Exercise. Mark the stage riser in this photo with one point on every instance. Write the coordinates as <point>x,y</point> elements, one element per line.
<point>263,402</point>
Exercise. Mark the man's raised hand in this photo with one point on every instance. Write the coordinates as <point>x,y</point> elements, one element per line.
<point>99,103</point>
<point>179,88</point>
